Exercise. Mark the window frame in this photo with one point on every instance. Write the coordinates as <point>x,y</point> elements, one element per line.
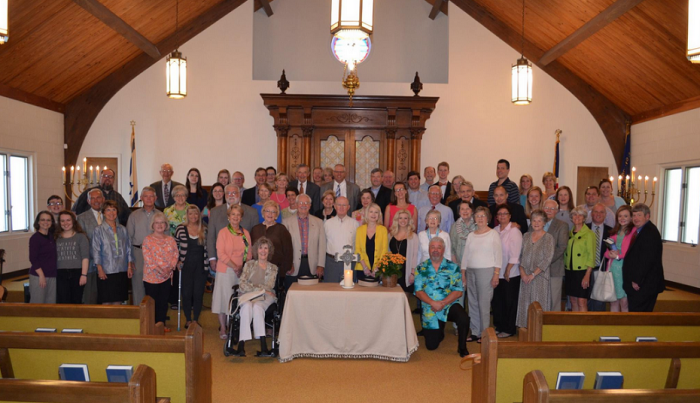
<point>6,182</point>
<point>682,206</point>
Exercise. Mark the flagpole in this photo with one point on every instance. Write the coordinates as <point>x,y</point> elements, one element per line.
<point>133,183</point>
<point>555,168</point>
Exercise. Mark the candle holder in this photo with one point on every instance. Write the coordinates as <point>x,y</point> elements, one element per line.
<point>631,191</point>
<point>75,180</point>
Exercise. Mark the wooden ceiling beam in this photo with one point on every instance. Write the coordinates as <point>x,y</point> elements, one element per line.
<point>611,118</point>
<point>36,100</point>
<point>110,19</point>
<point>667,110</point>
<point>265,4</point>
<point>81,111</point>
<point>600,21</point>
<point>437,4</point>
<point>443,7</point>
<point>257,5</point>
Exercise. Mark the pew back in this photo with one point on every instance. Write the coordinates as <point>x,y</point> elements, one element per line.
<point>589,326</point>
<point>536,390</point>
<point>184,371</point>
<point>93,319</point>
<point>140,389</point>
<point>644,365</point>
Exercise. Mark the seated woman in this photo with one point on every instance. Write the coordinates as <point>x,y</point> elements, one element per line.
<point>328,210</point>
<point>264,191</point>
<point>371,242</point>
<point>366,198</point>
<point>258,276</point>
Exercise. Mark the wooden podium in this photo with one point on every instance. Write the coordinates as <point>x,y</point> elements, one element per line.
<point>323,130</point>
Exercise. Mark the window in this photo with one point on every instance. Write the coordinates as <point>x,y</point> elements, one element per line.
<point>681,210</point>
<point>14,193</point>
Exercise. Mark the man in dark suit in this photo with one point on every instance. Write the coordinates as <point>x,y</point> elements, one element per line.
<point>107,178</point>
<point>445,185</point>
<point>343,188</point>
<point>517,213</point>
<point>601,231</point>
<point>560,231</point>
<point>302,184</point>
<point>642,268</point>
<point>218,219</point>
<point>164,187</point>
<point>466,193</point>
<point>382,194</point>
<point>251,196</point>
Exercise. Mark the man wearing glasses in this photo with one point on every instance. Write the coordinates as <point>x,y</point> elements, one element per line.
<point>343,188</point>
<point>164,187</point>
<point>308,242</point>
<point>54,205</point>
<point>107,187</point>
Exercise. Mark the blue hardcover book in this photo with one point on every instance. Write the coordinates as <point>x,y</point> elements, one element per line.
<point>646,338</point>
<point>608,380</point>
<point>119,373</point>
<point>609,339</point>
<point>74,372</point>
<point>570,380</point>
<point>45,330</point>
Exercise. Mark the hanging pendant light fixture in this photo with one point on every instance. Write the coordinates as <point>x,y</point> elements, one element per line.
<point>521,75</point>
<point>176,68</point>
<point>694,31</point>
<point>4,29</point>
<point>352,19</point>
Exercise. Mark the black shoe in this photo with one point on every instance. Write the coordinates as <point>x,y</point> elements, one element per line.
<point>240,352</point>
<point>463,352</point>
<point>264,352</point>
<point>420,333</point>
<point>417,311</point>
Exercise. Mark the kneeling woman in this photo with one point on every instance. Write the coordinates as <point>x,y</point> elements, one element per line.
<point>258,277</point>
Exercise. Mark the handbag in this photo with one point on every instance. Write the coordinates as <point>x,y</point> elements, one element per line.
<point>603,285</point>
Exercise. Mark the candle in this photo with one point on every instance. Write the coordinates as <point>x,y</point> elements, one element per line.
<point>627,182</point>
<point>619,182</point>
<point>646,179</point>
<point>63,175</point>
<point>653,185</point>
<point>639,179</point>
<point>85,165</point>
<point>347,278</point>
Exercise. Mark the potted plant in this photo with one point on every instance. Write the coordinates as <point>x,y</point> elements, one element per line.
<point>389,268</point>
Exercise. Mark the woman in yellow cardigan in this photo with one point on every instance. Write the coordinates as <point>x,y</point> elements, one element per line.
<point>371,242</point>
<point>579,259</point>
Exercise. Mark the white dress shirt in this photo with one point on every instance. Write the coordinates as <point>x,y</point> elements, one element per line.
<point>424,241</point>
<point>340,232</point>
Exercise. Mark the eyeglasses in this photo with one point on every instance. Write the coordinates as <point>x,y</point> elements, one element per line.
<point>500,214</point>
<point>166,171</point>
<point>480,216</point>
<point>551,208</point>
<point>270,211</point>
<point>232,193</point>
<point>56,204</point>
<point>303,203</point>
<point>108,176</point>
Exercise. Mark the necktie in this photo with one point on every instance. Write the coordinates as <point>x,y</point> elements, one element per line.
<point>166,194</point>
<point>597,245</point>
<point>99,218</point>
<point>337,191</point>
<point>301,188</point>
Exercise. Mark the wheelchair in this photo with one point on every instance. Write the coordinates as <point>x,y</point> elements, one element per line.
<point>273,318</point>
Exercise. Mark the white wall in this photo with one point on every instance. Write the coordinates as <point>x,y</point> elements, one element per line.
<point>665,143</point>
<point>223,124</point>
<point>39,132</point>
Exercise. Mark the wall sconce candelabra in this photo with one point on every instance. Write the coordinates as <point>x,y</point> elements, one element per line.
<point>81,182</point>
<point>631,189</point>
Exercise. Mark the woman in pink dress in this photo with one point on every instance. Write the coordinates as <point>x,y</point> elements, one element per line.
<point>399,201</point>
<point>280,195</point>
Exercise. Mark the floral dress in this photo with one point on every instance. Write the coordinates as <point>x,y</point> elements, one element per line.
<point>175,217</point>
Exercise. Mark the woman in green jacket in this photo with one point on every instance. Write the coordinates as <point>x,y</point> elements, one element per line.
<point>579,259</point>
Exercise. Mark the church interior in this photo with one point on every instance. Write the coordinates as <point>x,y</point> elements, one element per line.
<point>612,84</point>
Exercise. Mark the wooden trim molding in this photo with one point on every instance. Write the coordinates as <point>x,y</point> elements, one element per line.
<point>22,96</point>
<point>437,5</point>
<point>611,118</point>
<point>667,110</point>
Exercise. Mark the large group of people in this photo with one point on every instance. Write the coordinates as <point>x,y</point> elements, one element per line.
<point>523,243</point>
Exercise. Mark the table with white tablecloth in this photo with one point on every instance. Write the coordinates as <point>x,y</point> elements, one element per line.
<point>327,321</point>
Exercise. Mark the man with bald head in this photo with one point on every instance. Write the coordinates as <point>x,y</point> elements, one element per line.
<point>340,231</point>
<point>517,213</point>
<point>601,230</point>
<point>164,187</point>
<point>107,178</point>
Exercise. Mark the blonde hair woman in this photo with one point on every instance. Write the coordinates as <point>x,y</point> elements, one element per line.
<point>524,185</point>
<point>280,194</point>
<point>371,242</point>
<point>535,197</point>
<point>549,181</point>
<point>191,239</point>
<point>404,241</point>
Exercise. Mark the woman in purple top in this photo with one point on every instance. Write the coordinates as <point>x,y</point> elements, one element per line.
<point>42,255</point>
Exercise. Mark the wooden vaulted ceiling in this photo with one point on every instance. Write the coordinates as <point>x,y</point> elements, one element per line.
<point>624,59</point>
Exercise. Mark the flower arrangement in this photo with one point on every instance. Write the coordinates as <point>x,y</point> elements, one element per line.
<point>390,264</point>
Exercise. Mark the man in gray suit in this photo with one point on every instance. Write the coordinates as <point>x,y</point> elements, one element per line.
<point>343,188</point>
<point>165,187</point>
<point>218,219</point>
<point>560,231</point>
<point>310,251</point>
<point>302,184</point>
<point>89,220</point>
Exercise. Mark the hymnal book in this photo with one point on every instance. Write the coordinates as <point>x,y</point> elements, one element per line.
<point>646,338</point>
<point>45,330</point>
<point>609,338</point>
<point>608,380</point>
<point>119,373</point>
<point>74,372</point>
<point>72,331</point>
<point>570,380</point>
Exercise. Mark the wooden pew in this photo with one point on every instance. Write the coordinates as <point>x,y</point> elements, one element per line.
<point>497,376</point>
<point>140,389</point>
<point>93,319</point>
<point>536,390</point>
<point>589,326</point>
<point>183,369</point>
